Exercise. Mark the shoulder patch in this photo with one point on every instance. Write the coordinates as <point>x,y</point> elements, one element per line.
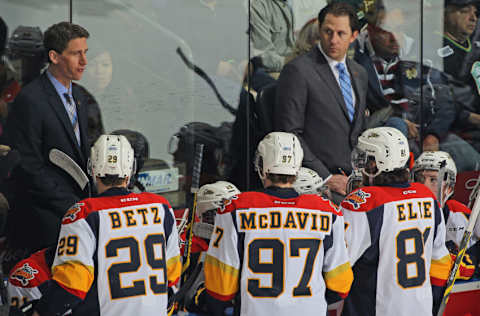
<point>24,274</point>
<point>73,213</point>
<point>357,198</point>
<point>445,51</point>
<point>226,203</point>
<point>458,207</point>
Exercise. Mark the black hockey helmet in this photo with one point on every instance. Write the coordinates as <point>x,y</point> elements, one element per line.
<point>139,143</point>
<point>462,3</point>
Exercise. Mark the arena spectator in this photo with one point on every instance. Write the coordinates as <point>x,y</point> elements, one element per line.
<point>272,32</point>
<point>458,58</point>
<point>308,37</point>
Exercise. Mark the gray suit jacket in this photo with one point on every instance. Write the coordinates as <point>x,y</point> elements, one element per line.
<point>310,104</point>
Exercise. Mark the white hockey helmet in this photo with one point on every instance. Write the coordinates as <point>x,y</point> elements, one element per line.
<point>211,197</point>
<point>308,182</point>
<point>387,146</point>
<point>278,153</point>
<point>111,155</point>
<point>433,160</point>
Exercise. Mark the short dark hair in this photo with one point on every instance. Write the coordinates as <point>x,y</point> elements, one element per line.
<point>281,178</point>
<point>58,36</point>
<point>340,9</point>
<point>112,180</point>
<point>392,177</point>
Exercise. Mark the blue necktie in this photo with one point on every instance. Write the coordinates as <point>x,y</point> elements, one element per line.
<point>346,87</point>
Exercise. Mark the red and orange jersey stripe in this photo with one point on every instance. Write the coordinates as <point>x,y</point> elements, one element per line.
<point>74,277</point>
<point>339,279</point>
<point>221,280</point>
<point>439,270</point>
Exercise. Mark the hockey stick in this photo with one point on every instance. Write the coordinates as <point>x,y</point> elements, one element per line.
<point>461,252</point>
<point>473,195</point>
<point>185,282</point>
<point>199,71</point>
<point>197,170</point>
<point>67,164</point>
<point>440,181</point>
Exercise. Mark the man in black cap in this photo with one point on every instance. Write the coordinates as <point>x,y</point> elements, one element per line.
<point>460,57</point>
<point>461,17</point>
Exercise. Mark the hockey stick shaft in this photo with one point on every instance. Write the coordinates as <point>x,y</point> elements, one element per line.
<point>67,164</point>
<point>463,247</point>
<point>440,182</point>
<point>197,169</point>
<point>474,192</point>
<point>199,71</point>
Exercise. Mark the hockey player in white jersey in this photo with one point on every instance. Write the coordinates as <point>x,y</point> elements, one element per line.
<point>210,198</point>
<point>309,182</point>
<point>277,252</point>
<point>456,214</point>
<point>395,232</point>
<point>116,253</point>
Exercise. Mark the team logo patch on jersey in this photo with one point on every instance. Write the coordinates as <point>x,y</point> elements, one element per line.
<point>411,73</point>
<point>357,198</point>
<point>71,214</point>
<point>227,202</point>
<point>445,51</point>
<point>475,71</point>
<point>24,274</point>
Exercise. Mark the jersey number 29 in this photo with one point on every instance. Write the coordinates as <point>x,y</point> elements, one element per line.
<point>155,262</point>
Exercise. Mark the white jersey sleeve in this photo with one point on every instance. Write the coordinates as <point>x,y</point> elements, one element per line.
<point>222,262</point>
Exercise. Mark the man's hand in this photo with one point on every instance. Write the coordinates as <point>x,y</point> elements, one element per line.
<point>35,313</point>
<point>338,183</point>
<point>430,143</point>
<point>474,118</point>
<point>412,130</point>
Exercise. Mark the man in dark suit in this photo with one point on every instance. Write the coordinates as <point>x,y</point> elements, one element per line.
<point>49,113</point>
<point>321,98</point>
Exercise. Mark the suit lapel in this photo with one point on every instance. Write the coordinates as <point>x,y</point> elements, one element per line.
<point>355,79</point>
<point>59,109</point>
<point>81,103</point>
<point>324,71</point>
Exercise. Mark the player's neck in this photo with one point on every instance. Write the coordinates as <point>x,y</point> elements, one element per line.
<point>282,185</point>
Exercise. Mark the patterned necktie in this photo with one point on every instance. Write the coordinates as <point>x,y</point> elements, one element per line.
<point>72,114</point>
<point>346,87</point>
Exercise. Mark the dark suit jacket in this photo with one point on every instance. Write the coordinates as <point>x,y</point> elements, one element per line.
<point>39,122</point>
<point>310,104</point>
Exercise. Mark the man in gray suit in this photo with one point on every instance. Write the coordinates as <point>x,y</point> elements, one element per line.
<point>321,98</point>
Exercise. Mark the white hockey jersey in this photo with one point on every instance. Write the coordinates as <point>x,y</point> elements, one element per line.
<point>396,242</point>
<point>456,217</point>
<point>281,252</point>
<point>118,252</point>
